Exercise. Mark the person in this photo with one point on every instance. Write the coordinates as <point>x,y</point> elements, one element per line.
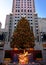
<point>15,58</point>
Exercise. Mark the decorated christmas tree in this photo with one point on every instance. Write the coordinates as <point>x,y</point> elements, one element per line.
<point>23,36</point>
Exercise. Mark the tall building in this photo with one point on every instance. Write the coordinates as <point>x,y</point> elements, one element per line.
<point>25,8</point>
<point>8,26</point>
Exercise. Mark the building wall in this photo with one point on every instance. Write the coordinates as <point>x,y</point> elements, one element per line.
<point>42,24</point>
<point>8,26</point>
<point>42,29</point>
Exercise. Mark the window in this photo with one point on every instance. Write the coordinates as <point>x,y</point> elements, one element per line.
<point>18,7</point>
<point>28,20</point>
<point>31,28</point>
<point>18,10</point>
<point>31,17</point>
<point>28,10</point>
<point>36,23</point>
<point>18,17</point>
<point>22,10</point>
<point>37,26</point>
<point>15,17</point>
<point>17,3</point>
<point>25,10</point>
<point>22,5</point>
<point>15,23</point>
<point>15,20</point>
<point>21,14</point>
<point>31,20</point>
<point>31,23</point>
<point>14,26</point>
<point>24,0</point>
<point>29,14</point>
<point>28,17</point>
<point>30,6</point>
<point>10,21</point>
<point>18,14</point>
<point>27,0</point>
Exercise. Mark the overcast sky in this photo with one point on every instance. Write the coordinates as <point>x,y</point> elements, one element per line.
<point>6,8</point>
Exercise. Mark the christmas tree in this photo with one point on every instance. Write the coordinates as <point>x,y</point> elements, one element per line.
<point>23,36</point>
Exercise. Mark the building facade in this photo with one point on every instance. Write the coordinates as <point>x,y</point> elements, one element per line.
<point>8,26</point>
<point>42,28</point>
<point>42,33</point>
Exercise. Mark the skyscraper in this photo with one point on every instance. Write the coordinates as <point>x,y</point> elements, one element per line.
<point>25,8</point>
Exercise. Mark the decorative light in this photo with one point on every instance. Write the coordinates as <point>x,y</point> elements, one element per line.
<point>15,48</point>
<point>23,58</point>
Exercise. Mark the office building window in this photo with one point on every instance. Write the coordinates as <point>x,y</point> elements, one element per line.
<point>15,17</point>
<point>15,23</point>
<point>21,10</point>
<point>31,28</point>
<point>31,17</point>
<point>25,10</point>
<point>18,10</point>
<point>31,20</point>
<point>21,14</point>
<point>28,10</point>
<point>15,20</point>
<point>22,5</point>
<point>31,23</point>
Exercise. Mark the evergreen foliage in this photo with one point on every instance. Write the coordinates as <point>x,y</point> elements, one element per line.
<point>23,36</point>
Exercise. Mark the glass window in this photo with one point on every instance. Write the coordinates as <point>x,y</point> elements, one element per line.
<point>28,10</point>
<point>22,5</point>
<point>31,20</point>
<point>18,10</point>
<point>21,10</point>
<point>15,23</point>
<point>31,17</point>
<point>25,10</point>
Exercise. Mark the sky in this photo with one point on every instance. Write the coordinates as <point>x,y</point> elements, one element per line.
<point>6,8</point>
